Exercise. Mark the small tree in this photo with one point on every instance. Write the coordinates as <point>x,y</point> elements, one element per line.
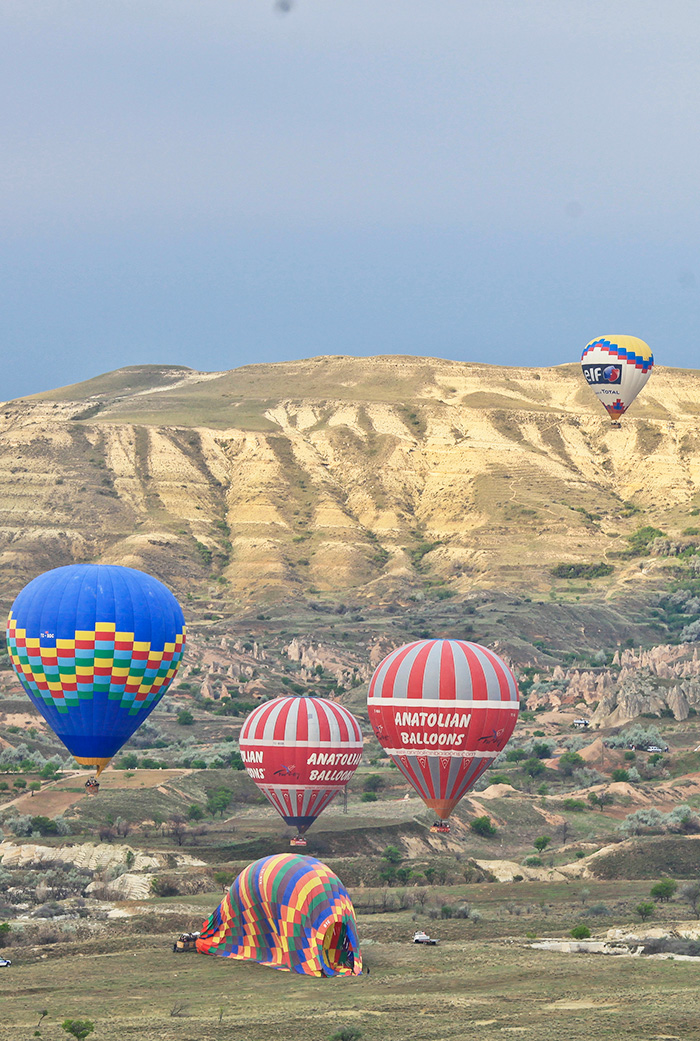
<point>79,1028</point>
<point>541,843</point>
<point>373,783</point>
<point>664,890</point>
<point>533,767</point>
<point>690,894</point>
<point>219,801</point>
<point>195,812</point>
<point>34,786</point>
<point>185,717</point>
<point>393,855</point>
<point>645,909</point>
<point>5,930</point>
<point>178,828</point>
<point>600,799</point>
<point>620,775</point>
<point>484,826</point>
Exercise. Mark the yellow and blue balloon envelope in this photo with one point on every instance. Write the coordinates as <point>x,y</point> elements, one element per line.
<point>96,647</point>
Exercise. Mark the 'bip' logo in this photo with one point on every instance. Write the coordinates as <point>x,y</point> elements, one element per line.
<point>596,374</point>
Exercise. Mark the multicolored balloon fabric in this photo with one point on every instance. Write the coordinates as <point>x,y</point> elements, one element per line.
<point>95,647</point>
<point>443,710</point>
<point>301,752</point>
<point>616,368</point>
<point>290,912</point>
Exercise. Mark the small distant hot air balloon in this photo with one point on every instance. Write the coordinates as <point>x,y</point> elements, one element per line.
<point>616,368</point>
<point>300,752</point>
<point>289,912</point>
<point>443,710</point>
<point>95,647</point>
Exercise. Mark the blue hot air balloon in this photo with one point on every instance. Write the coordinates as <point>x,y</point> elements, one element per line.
<point>95,647</point>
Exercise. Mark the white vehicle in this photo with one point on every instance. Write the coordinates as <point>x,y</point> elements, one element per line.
<point>421,937</point>
<point>582,724</point>
<point>5,963</point>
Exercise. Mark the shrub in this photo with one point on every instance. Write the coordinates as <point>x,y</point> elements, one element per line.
<point>620,775</point>
<point>163,887</point>
<point>574,805</point>
<point>645,909</point>
<point>533,862</point>
<point>483,826</point>
<point>346,1034</point>
<point>369,797</point>
<point>541,843</point>
<point>570,761</point>
<point>185,717</point>
<point>580,932</point>
<point>597,910</point>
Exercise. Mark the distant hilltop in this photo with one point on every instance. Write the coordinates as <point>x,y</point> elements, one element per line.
<point>376,478</point>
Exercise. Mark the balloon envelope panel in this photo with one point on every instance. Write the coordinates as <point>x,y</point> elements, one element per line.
<point>290,912</point>
<point>300,752</point>
<point>443,710</point>
<point>616,368</point>
<point>95,647</point>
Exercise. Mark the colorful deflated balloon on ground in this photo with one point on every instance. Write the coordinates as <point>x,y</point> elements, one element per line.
<point>300,752</point>
<point>616,368</point>
<point>290,912</point>
<point>443,710</point>
<point>95,647</point>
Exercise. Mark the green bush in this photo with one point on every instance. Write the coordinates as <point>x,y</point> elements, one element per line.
<point>369,797</point>
<point>574,805</point>
<point>185,717</point>
<point>483,826</point>
<point>580,932</point>
<point>582,570</point>
<point>620,775</point>
<point>570,761</point>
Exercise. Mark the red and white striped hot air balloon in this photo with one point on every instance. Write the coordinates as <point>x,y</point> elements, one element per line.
<point>443,710</point>
<point>300,752</point>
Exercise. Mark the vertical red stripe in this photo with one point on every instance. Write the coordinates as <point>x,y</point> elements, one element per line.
<point>387,690</point>
<point>414,687</point>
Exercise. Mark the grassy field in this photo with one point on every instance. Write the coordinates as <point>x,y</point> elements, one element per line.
<point>470,985</point>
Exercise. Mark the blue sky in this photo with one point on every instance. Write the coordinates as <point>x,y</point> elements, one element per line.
<point>213,183</point>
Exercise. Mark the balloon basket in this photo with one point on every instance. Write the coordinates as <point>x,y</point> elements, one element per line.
<point>92,787</point>
<point>441,828</point>
<point>298,841</point>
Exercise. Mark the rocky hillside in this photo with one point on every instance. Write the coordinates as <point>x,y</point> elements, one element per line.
<point>378,479</point>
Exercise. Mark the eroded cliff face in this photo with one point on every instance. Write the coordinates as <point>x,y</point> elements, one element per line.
<point>383,477</point>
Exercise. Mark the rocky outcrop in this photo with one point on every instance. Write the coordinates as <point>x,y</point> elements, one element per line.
<point>92,857</point>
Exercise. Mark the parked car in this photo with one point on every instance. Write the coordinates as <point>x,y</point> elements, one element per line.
<point>5,963</point>
<point>421,937</point>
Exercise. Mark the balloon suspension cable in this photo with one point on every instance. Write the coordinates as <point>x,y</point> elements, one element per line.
<point>99,763</point>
